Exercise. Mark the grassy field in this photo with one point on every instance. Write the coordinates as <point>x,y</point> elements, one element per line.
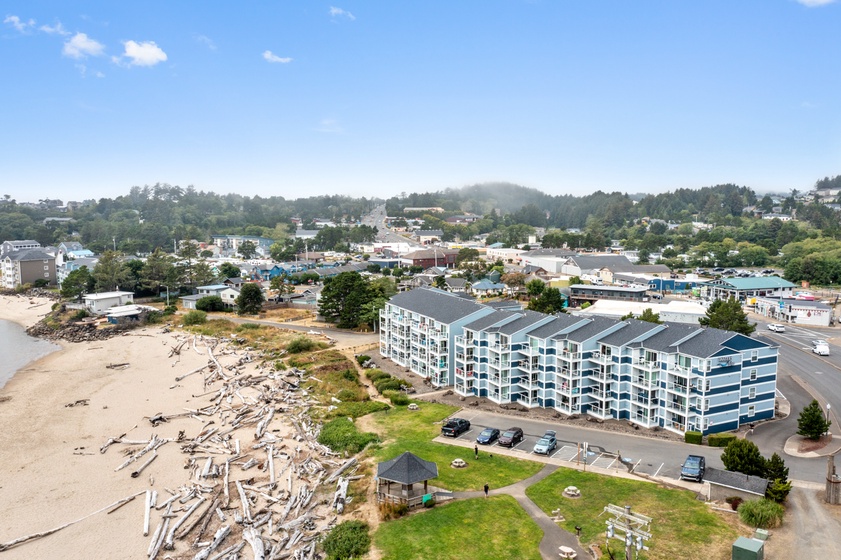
<point>479,529</point>
<point>682,526</point>
<point>406,430</point>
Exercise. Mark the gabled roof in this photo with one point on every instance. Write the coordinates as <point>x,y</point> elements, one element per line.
<point>526,319</point>
<point>706,343</point>
<point>664,340</point>
<point>588,330</point>
<point>490,320</point>
<point>437,304</point>
<point>485,284</point>
<point>633,330</point>
<point>614,263</point>
<point>408,468</point>
<point>557,324</point>
<point>29,255</point>
<point>754,283</point>
<point>736,480</point>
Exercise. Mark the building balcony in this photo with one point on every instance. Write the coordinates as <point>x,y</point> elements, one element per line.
<point>676,406</point>
<point>599,412</point>
<point>645,400</point>
<point>647,382</point>
<point>679,388</point>
<point>600,395</point>
<point>645,418</point>
<point>601,358</point>
<point>643,364</point>
<point>601,376</point>
<point>530,350</point>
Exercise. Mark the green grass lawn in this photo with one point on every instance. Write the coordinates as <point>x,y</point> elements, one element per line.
<point>682,526</point>
<point>478,528</point>
<point>407,430</point>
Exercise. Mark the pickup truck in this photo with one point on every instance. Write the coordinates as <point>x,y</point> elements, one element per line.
<point>454,427</point>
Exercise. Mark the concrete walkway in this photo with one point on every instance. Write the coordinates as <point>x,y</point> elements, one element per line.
<point>553,536</point>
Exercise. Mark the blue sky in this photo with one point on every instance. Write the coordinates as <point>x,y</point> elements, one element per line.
<point>300,98</point>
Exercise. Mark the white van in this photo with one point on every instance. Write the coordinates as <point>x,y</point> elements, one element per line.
<point>820,347</point>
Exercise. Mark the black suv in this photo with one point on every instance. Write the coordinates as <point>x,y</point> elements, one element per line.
<point>693,468</point>
<point>510,437</point>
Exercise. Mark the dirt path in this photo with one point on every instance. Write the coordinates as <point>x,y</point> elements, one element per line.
<point>812,529</point>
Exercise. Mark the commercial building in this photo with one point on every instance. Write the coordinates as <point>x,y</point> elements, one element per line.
<point>745,289</point>
<point>796,311</point>
<point>678,377</point>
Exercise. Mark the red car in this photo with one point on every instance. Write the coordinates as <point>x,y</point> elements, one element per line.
<point>511,437</point>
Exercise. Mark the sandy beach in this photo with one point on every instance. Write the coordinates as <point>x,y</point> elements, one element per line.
<point>51,468</point>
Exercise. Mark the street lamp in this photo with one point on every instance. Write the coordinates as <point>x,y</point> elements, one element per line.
<point>828,406</point>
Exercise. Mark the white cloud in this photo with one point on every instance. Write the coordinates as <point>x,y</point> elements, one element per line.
<point>19,24</point>
<point>338,12</point>
<point>815,3</point>
<point>273,58</point>
<point>204,40</point>
<point>330,126</point>
<point>56,29</point>
<point>146,53</point>
<point>81,46</point>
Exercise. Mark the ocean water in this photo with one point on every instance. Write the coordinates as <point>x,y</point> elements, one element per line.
<point>18,349</point>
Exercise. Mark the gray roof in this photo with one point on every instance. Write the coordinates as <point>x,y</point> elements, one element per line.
<point>548,252</point>
<point>664,340</point>
<point>614,263</point>
<point>746,483</point>
<point>706,343</point>
<point>455,282</point>
<point>29,255</point>
<point>557,324</point>
<point>437,304</point>
<point>429,232</point>
<point>526,319</point>
<point>632,330</point>
<point>594,326</point>
<point>595,287</point>
<point>407,469</point>
<point>489,320</point>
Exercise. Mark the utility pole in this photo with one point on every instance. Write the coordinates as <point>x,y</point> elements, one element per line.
<point>632,528</point>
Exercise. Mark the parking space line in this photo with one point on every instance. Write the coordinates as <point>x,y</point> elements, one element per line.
<point>658,469</point>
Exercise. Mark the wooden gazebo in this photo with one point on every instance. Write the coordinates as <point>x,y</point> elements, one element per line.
<point>396,479</point>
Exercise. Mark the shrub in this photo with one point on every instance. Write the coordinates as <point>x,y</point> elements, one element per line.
<point>374,374</point>
<point>356,409</point>
<point>720,440</point>
<point>393,511</point>
<point>154,317</point>
<point>346,395</point>
<point>693,437</point>
<point>248,327</point>
<point>195,317</point>
<point>349,539</point>
<point>390,384</point>
<point>734,502</point>
<point>362,358</point>
<point>351,375</point>
<point>170,309</point>
<point>300,344</point>
<point>80,314</point>
<point>41,283</point>
<point>342,435</point>
<point>397,398</point>
<point>765,514</point>
<point>210,304</point>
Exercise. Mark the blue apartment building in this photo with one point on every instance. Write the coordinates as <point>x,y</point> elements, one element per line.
<point>675,376</point>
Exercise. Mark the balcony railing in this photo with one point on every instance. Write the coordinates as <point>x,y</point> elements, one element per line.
<point>678,388</point>
<point>645,382</point>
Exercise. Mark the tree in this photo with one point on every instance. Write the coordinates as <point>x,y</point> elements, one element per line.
<point>466,255</point>
<point>550,301</point>
<point>210,304</point>
<point>535,287</point>
<point>230,271</point>
<point>343,299</point>
<point>203,274</point>
<point>742,455</point>
<point>247,250</point>
<point>812,423</point>
<point>78,283</point>
<point>157,268</point>
<point>727,315</point>
<point>648,315</point>
<point>110,273</point>
<point>777,474</point>
<point>188,253</point>
<point>250,299</point>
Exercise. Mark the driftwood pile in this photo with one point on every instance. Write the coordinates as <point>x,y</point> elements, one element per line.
<point>257,479</point>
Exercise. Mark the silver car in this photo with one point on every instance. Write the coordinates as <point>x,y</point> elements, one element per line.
<point>546,444</point>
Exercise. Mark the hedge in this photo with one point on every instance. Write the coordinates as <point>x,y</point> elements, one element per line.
<point>693,437</point>
<point>720,440</point>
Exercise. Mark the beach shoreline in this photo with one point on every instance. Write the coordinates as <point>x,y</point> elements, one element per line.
<point>59,411</point>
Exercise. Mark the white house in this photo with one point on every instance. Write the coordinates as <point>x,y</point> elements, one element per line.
<point>99,304</point>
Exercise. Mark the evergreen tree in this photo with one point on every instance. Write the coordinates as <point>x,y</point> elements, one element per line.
<point>343,298</point>
<point>727,315</point>
<point>649,316</point>
<point>550,301</point>
<point>777,474</point>
<point>742,455</point>
<point>812,423</point>
<point>78,283</point>
<point>111,273</point>
<point>250,299</point>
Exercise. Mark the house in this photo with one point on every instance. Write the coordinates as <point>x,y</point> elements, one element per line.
<point>230,244</point>
<point>26,266</point>
<point>485,287</point>
<point>226,293</point>
<point>677,377</point>
<point>18,245</point>
<point>744,289</point>
<point>426,258</point>
<point>726,484</point>
<point>74,250</point>
<point>100,303</point>
<point>305,233</point>
<point>69,266</point>
<point>427,236</point>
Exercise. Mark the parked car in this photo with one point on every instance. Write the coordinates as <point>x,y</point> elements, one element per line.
<point>488,436</point>
<point>546,444</point>
<point>820,347</point>
<point>454,427</point>
<point>511,437</point>
<point>776,327</point>
<point>693,468</point>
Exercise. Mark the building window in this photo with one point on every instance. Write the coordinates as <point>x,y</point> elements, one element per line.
<point>753,375</point>
<point>706,385</point>
<point>46,275</point>
<point>754,355</point>
<point>706,404</point>
<point>751,410</point>
<point>752,393</point>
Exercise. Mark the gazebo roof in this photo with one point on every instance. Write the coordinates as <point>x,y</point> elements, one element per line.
<point>407,469</point>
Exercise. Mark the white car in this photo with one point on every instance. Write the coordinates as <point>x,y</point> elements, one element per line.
<point>776,327</point>
<point>820,347</point>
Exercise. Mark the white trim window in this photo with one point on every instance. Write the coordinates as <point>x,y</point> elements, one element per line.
<point>752,410</point>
